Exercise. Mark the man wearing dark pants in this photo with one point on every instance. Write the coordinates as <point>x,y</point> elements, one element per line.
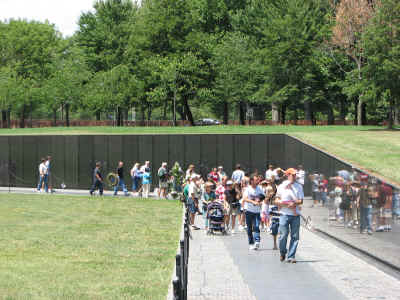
<point>289,196</point>
<point>97,180</point>
<point>121,182</point>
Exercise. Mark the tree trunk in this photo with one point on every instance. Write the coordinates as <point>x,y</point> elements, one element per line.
<point>67,114</point>
<point>396,115</point>
<point>3,118</point>
<point>355,112</point>
<point>242,112</point>
<point>226,112</point>
<point>22,117</point>
<point>360,101</point>
<point>308,112</point>
<point>343,110</point>
<point>164,116</point>
<point>119,117</point>
<point>188,111</point>
<point>149,111</point>
<point>359,112</point>
<point>283,114</point>
<point>9,117</point>
<point>275,113</point>
<point>364,114</point>
<point>295,116</point>
<point>331,117</point>
<point>98,115</point>
<point>390,115</point>
<point>142,114</point>
<point>30,114</point>
<point>180,111</point>
<point>54,117</point>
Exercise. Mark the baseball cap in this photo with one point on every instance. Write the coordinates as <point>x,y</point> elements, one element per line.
<point>291,171</point>
<point>229,182</point>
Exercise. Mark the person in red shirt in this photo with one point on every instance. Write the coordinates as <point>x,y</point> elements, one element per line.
<point>214,175</point>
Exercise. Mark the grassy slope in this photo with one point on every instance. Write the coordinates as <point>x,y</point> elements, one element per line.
<point>66,247</point>
<point>370,147</point>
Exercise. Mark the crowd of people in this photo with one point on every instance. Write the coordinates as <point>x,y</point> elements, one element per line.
<point>259,202</point>
<point>357,200</point>
<point>269,202</point>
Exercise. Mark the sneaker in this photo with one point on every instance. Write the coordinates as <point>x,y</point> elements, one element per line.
<point>252,247</point>
<point>257,245</point>
<point>369,232</point>
<point>194,227</point>
<point>91,193</point>
<point>275,248</point>
<point>380,229</point>
<point>292,260</point>
<point>233,231</point>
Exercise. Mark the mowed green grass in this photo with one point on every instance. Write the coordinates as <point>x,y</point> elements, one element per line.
<point>69,247</point>
<point>376,151</point>
<point>106,130</point>
<point>369,147</point>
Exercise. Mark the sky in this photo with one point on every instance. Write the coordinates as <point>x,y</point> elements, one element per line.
<point>63,13</point>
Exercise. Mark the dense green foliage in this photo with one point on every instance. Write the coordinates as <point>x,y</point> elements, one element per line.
<point>285,59</point>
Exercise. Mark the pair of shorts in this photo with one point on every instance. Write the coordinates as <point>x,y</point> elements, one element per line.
<point>232,210</point>
<point>274,227</point>
<point>386,213</point>
<point>163,184</point>
<point>192,206</point>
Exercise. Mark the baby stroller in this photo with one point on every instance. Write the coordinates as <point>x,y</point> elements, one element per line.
<point>215,216</point>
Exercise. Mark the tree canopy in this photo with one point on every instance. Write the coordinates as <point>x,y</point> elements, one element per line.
<point>284,60</point>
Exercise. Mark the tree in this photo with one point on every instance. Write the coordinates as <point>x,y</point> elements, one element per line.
<point>382,47</point>
<point>29,48</point>
<point>352,18</point>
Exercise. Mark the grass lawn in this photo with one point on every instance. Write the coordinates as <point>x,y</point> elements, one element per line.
<point>370,147</point>
<point>69,247</point>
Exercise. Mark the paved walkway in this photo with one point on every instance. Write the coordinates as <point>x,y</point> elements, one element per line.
<point>222,267</point>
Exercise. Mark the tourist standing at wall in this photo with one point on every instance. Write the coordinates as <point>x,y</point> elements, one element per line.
<point>146,182</point>
<point>135,175</point>
<point>270,174</point>
<point>221,173</point>
<point>238,174</point>
<point>301,175</point>
<point>121,181</point>
<point>97,180</point>
<point>289,197</point>
<point>163,180</point>
<point>193,200</point>
<point>49,177</point>
<point>43,176</point>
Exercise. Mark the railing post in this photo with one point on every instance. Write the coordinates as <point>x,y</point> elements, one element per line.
<point>176,289</point>
<point>178,271</point>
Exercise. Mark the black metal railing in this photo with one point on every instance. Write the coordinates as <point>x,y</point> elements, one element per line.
<point>180,281</point>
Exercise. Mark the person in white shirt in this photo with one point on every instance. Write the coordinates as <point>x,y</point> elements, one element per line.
<point>43,176</point>
<point>289,196</point>
<point>193,200</point>
<point>238,174</point>
<point>301,174</point>
<point>253,197</point>
<point>270,174</point>
<point>145,166</point>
